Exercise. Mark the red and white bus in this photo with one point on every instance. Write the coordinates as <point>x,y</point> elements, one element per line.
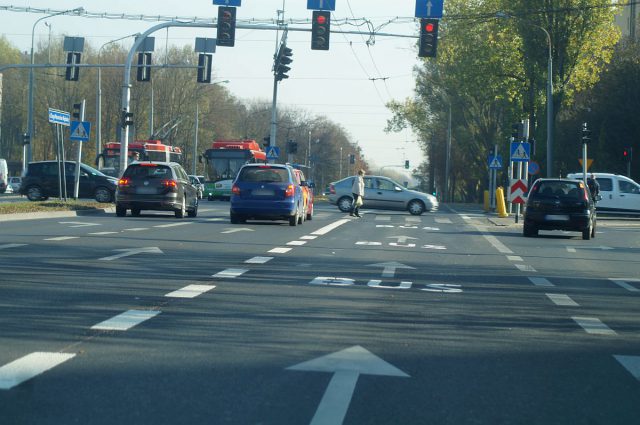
<point>223,161</point>
<point>149,150</point>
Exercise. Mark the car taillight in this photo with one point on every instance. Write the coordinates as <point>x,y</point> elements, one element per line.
<point>170,184</point>
<point>235,189</point>
<point>289,191</point>
<point>332,189</point>
<point>124,182</point>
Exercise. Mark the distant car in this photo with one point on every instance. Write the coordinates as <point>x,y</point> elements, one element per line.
<point>199,184</point>
<point>619,195</point>
<point>382,193</point>
<point>559,204</point>
<point>307,193</point>
<point>267,192</point>
<point>159,186</point>
<point>14,183</point>
<point>41,181</point>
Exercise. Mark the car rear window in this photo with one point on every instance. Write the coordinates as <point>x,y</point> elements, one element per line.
<point>155,171</point>
<point>264,174</point>
<point>560,189</point>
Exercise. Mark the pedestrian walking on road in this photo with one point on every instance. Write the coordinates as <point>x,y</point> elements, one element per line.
<point>357,189</point>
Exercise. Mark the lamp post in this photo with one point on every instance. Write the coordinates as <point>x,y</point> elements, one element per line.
<point>549,91</point>
<point>26,157</point>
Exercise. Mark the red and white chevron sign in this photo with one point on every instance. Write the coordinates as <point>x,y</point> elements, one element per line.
<point>517,191</point>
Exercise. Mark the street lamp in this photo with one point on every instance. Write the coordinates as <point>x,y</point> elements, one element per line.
<point>549,91</point>
<point>26,156</point>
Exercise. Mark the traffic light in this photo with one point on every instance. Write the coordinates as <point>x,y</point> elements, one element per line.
<point>292,146</point>
<point>428,38</point>
<point>352,159</point>
<point>77,110</point>
<point>127,118</point>
<point>144,67</point>
<point>406,164</point>
<point>586,134</point>
<point>266,141</point>
<point>26,139</point>
<point>205,61</point>
<point>283,59</point>
<point>627,153</point>
<point>517,131</point>
<point>320,30</point>
<point>226,26</point>
<point>72,72</point>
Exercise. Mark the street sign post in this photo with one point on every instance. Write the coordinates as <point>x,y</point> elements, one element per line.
<point>321,5</point>
<point>429,8</point>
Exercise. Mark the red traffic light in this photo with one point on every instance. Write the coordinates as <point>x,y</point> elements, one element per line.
<point>321,19</point>
<point>429,27</point>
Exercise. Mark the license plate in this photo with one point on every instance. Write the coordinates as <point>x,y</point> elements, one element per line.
<point>557,217</point>
<point>146,190</point>
<point>263,192</point>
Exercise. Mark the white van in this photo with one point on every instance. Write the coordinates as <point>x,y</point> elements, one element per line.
<point>620,194</point>
<point>4,175</point>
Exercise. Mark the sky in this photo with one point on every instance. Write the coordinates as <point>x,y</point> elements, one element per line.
<point>350,84</point>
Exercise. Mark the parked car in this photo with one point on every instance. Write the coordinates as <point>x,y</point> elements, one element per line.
<point>382,193</point>
<point>267,192</point>
<point>560,204</point>
<point>159,186</point>
<point>14,183</point>
<point>199,184</point>
<point>307,193</point>
<point>619,194</point>
<point>41,181</point>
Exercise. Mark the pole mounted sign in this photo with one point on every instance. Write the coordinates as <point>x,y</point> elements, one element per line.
<point>429,8</point>
<point>518,190</point>
<point>520,152</point>
<point>59,117</point>
<point>321,4</point>
<point>227,2</point>
<point>80,131</point>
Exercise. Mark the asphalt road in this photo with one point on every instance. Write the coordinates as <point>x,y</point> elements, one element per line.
<point>445,318</point>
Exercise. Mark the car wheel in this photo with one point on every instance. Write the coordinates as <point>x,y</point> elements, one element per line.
<point>135,212</point>
<point>344,204</point>
<point>34,193</point>
<point>121,211</point>
<point>183,208</point>
<point>293,220</point>
<point>194,211</point>
<point>586,233</point>
<point>310,214</point>
<point>593,229</point>
<point>415,207</point>
<point>103,195</point>
<point>529,230</point>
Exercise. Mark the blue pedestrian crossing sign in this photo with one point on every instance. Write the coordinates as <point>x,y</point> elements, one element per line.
<point>495,162</point>
<point>321,4</point>
<point>80,130</point>
<point>520,152</point>
<point>273,152</point>
<point>429,8</point>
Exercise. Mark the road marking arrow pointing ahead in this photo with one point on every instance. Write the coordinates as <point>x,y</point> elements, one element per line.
<point>346,365</point>
<point>236,230</point>
<point>390,268</point>
<point>133,251</point>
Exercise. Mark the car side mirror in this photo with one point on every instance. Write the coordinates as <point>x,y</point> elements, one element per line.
<point>398,189</point>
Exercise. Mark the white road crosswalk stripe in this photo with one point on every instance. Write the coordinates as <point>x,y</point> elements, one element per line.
<point>29,366</point>
<point>126,320</point>
<point>593,325</point>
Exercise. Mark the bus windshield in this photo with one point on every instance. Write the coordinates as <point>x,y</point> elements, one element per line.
<point>224,165</point>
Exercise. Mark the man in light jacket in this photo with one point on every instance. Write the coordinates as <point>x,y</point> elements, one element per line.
<point>357,189</point>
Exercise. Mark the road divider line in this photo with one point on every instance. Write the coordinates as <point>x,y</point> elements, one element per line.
<point>562,300</point>
<point>12,245</point>
<point>280,250</point>
<point>258,260</point>
<point>29,366</point>
<point>230,273</point>
<point>525,268</point>
<point>297,243</point>
<point>308,238</point>
<point>173,224</point>
<point>190,291</point>
<point>126,320</point>
<point>631,363</point>
<point>623,283</point>
<point>540,281</point>
<point>62,238</point>
<point>103,233</point>
<point>326,229</point>
<point>593,325</point>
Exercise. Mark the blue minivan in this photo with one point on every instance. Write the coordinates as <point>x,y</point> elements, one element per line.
<point>267,192</point>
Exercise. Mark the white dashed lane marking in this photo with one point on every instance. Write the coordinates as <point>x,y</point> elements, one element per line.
<point>541,281</point>
<point>126,320</point>
<point>280,250</point>
<point>258,260</point>
<point>29,366</point>
<point>624,283</point>
<point>562,300</point>
<point>230,273</point>
<point>593,325</point>
<point>190,291</point>
<point>12,245</point>
<point>62,238</point>
<point>631,363</point>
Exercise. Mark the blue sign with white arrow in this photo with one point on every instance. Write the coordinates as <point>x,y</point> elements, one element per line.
<point>321,4</point>
<point>227,2</point>
<point>429,8</point>
<point>273,152</point>
<point>80,131</point>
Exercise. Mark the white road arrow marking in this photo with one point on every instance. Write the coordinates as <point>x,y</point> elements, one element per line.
<point>401,239</point>
<point>346,365</point>
<point>390,268</point>
<point>236,230</point>
<point>132,251</point>
<point>79,223</point>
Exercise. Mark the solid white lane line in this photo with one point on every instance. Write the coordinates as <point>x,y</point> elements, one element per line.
<point>12,245</point>
<point>259,260</point>
<point>514,258</point>
<point>297,243</point>
<point>309,238</point>
<point>562,300</point>
<point>540,281</point>
<point>369,243</point>
<point>62,238</point>
<point>230,273</point>
<point>29,366</point>
<point>631,363</point>
<point>135,229</point>
<point>126,320</point>
<point>326,229</point>
<point>174,224</point>
<point>190,291</point>
<point>593,325</point>
<point>525,268</point>
<point>103,233</point>
<point>623,283</point>
<point>280,250</point>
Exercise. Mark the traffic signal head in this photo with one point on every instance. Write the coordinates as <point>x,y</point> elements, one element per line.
<point>144,67</point>
<point>292,146</point>
<point>72,72</point>
<point>283,59</point>
<point>586,134</point>
<point>226,32</point>
<point>406,164</point>
<point>77,107</point>
<point>428,38</point>
<point>352,159</point>
<point>320,30</point>
<point>266,142</point>
<point>627,153</point>
<point>127,118</point>
<point>205,61</point>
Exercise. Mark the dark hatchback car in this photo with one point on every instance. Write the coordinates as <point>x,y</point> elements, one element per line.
<point>267,192</point>
<point>159,186</point>
<point>41,181</point>
<point>560,204</point>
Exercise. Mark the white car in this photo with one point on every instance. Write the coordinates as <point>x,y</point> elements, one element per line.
<point>619,194</point>
<point>14,183</point>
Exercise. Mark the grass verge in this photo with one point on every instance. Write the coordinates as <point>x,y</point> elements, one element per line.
<point>45,206</point>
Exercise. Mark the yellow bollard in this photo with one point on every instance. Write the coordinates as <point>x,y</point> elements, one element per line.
<point>500,205</point>
<point>487,205</point>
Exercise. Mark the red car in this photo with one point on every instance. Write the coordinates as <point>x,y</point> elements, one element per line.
<point>307,193</point>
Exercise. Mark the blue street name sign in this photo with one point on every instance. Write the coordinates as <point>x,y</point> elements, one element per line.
<point>227,2</point>
<point>59,117</point>
<point>495,162</point>
<point>273,152</point>
<point>520,152</point>
<point>321,4</point>
<point>80,131</point>
<point>429,8</point>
